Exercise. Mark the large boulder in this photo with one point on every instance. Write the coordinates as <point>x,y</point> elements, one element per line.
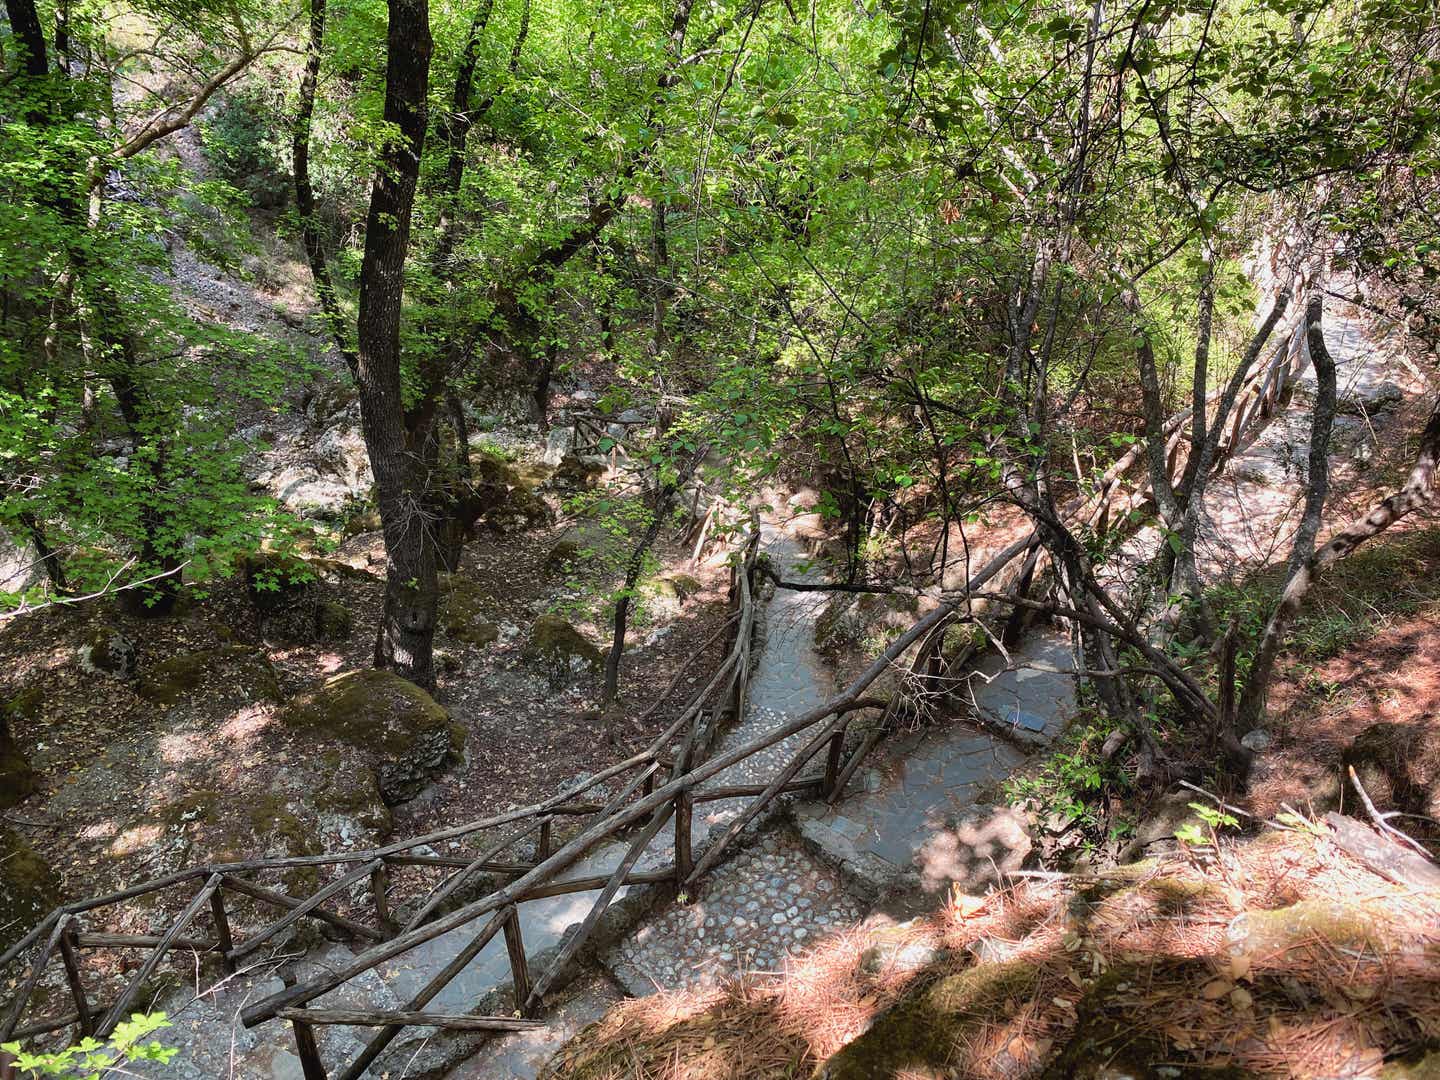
<point>521,511</point>
<point>289,595</point>
<point>19,565</point>
<point>18,780</point>
<point>560,650</point>
<point>1367,400</point>
<point>29,889</point>
<point>408,736</point>
<point>558,445</point>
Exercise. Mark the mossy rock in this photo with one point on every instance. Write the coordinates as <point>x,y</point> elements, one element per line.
<point>521,510</point>
<point>109,652</point>
<point>685,586</point>
<point>275,581</point>
<point>18,780</point>
<point>29,889</point>
<point>576,473</point>
<point>462,611</point>
<point>490,468</point>
<point>333,621</point>
<point>408,733</point>
<point>560,558</point>
<point>239,673</point>
<point>561,649</point>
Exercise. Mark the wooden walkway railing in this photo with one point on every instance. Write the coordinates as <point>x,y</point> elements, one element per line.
<point>658,792</point>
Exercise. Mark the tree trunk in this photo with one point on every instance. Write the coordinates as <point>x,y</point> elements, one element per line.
<point>305,193</point>
<point>663,496</point>
<point>1417,492</point>
<point>405,639</point>
<point>1322,421</point>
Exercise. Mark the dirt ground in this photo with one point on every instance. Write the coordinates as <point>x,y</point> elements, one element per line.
<point>523,740</point>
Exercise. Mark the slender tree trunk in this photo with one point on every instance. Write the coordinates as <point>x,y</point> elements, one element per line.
<point>1321,423</point>
<point>305,192</point>
<point>663,497</point>
<point>405,640</point>
<point>1417,492</point>
<point>661,243</point>
<point>49,557</point>
<point>25,25</point>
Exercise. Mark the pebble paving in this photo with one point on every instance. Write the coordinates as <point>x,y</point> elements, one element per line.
<point>750,914</point>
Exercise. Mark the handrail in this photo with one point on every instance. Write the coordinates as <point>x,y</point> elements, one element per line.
<point>541,877</point>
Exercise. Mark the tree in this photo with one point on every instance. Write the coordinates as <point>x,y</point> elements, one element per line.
<point>401,453</point>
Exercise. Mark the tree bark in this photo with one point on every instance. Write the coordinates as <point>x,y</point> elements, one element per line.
<point>25,25</point>
<point>305,192</point>
<point>1417,492</point>
<point>405,639</point>
<point>1321,422</point>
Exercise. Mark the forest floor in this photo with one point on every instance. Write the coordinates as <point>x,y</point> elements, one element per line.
<point>129,787</point>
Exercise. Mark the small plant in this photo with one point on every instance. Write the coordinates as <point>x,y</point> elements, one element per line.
<point>1072,781</point>
<point>1213,819</point>
<point>91,1059</point>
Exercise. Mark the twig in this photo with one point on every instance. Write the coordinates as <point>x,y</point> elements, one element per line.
<point>1379,819</point>
<point>1235,809</point>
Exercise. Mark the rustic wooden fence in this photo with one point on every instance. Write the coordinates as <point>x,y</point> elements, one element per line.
<point>660,790</point>
<point>520,844</point>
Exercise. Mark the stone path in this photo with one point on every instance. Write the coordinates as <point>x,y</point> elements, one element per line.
<point>758,907</point>
<point>1253,505</point>
<point>779,894</point>
<point>787,679</point>
<point>912,824</point>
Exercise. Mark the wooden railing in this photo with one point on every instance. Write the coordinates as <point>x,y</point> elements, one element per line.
<point>659,791</point>
<point>518,844</point>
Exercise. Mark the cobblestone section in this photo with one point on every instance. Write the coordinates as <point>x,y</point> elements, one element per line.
<point>759,907</point>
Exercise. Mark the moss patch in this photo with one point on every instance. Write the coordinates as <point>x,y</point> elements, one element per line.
<point>560,648</point>
<point>462,611</point>
<point>231,668</point>
<point>29,889</point>
<point>401,728</point>
<point>923,1030</point>
<point>370,709</point>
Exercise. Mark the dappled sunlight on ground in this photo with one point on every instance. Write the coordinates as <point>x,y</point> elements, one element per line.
<point>1278,956</point>
<point>972,848</point>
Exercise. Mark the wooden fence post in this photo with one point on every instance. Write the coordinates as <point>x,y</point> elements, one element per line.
<point>308,1051</point>
<point>832,763</point>
<point>379,893</point>
<point>519,968</point>
<point>223,939</point>
<point>684,815</point>
<point>542,847</point>
<point>72,976</point>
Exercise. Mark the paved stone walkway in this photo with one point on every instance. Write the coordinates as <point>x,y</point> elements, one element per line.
<point>757,908</point>
<point>1253,506</point>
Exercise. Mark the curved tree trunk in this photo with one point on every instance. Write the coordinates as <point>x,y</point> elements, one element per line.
<point>1417,492</point>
